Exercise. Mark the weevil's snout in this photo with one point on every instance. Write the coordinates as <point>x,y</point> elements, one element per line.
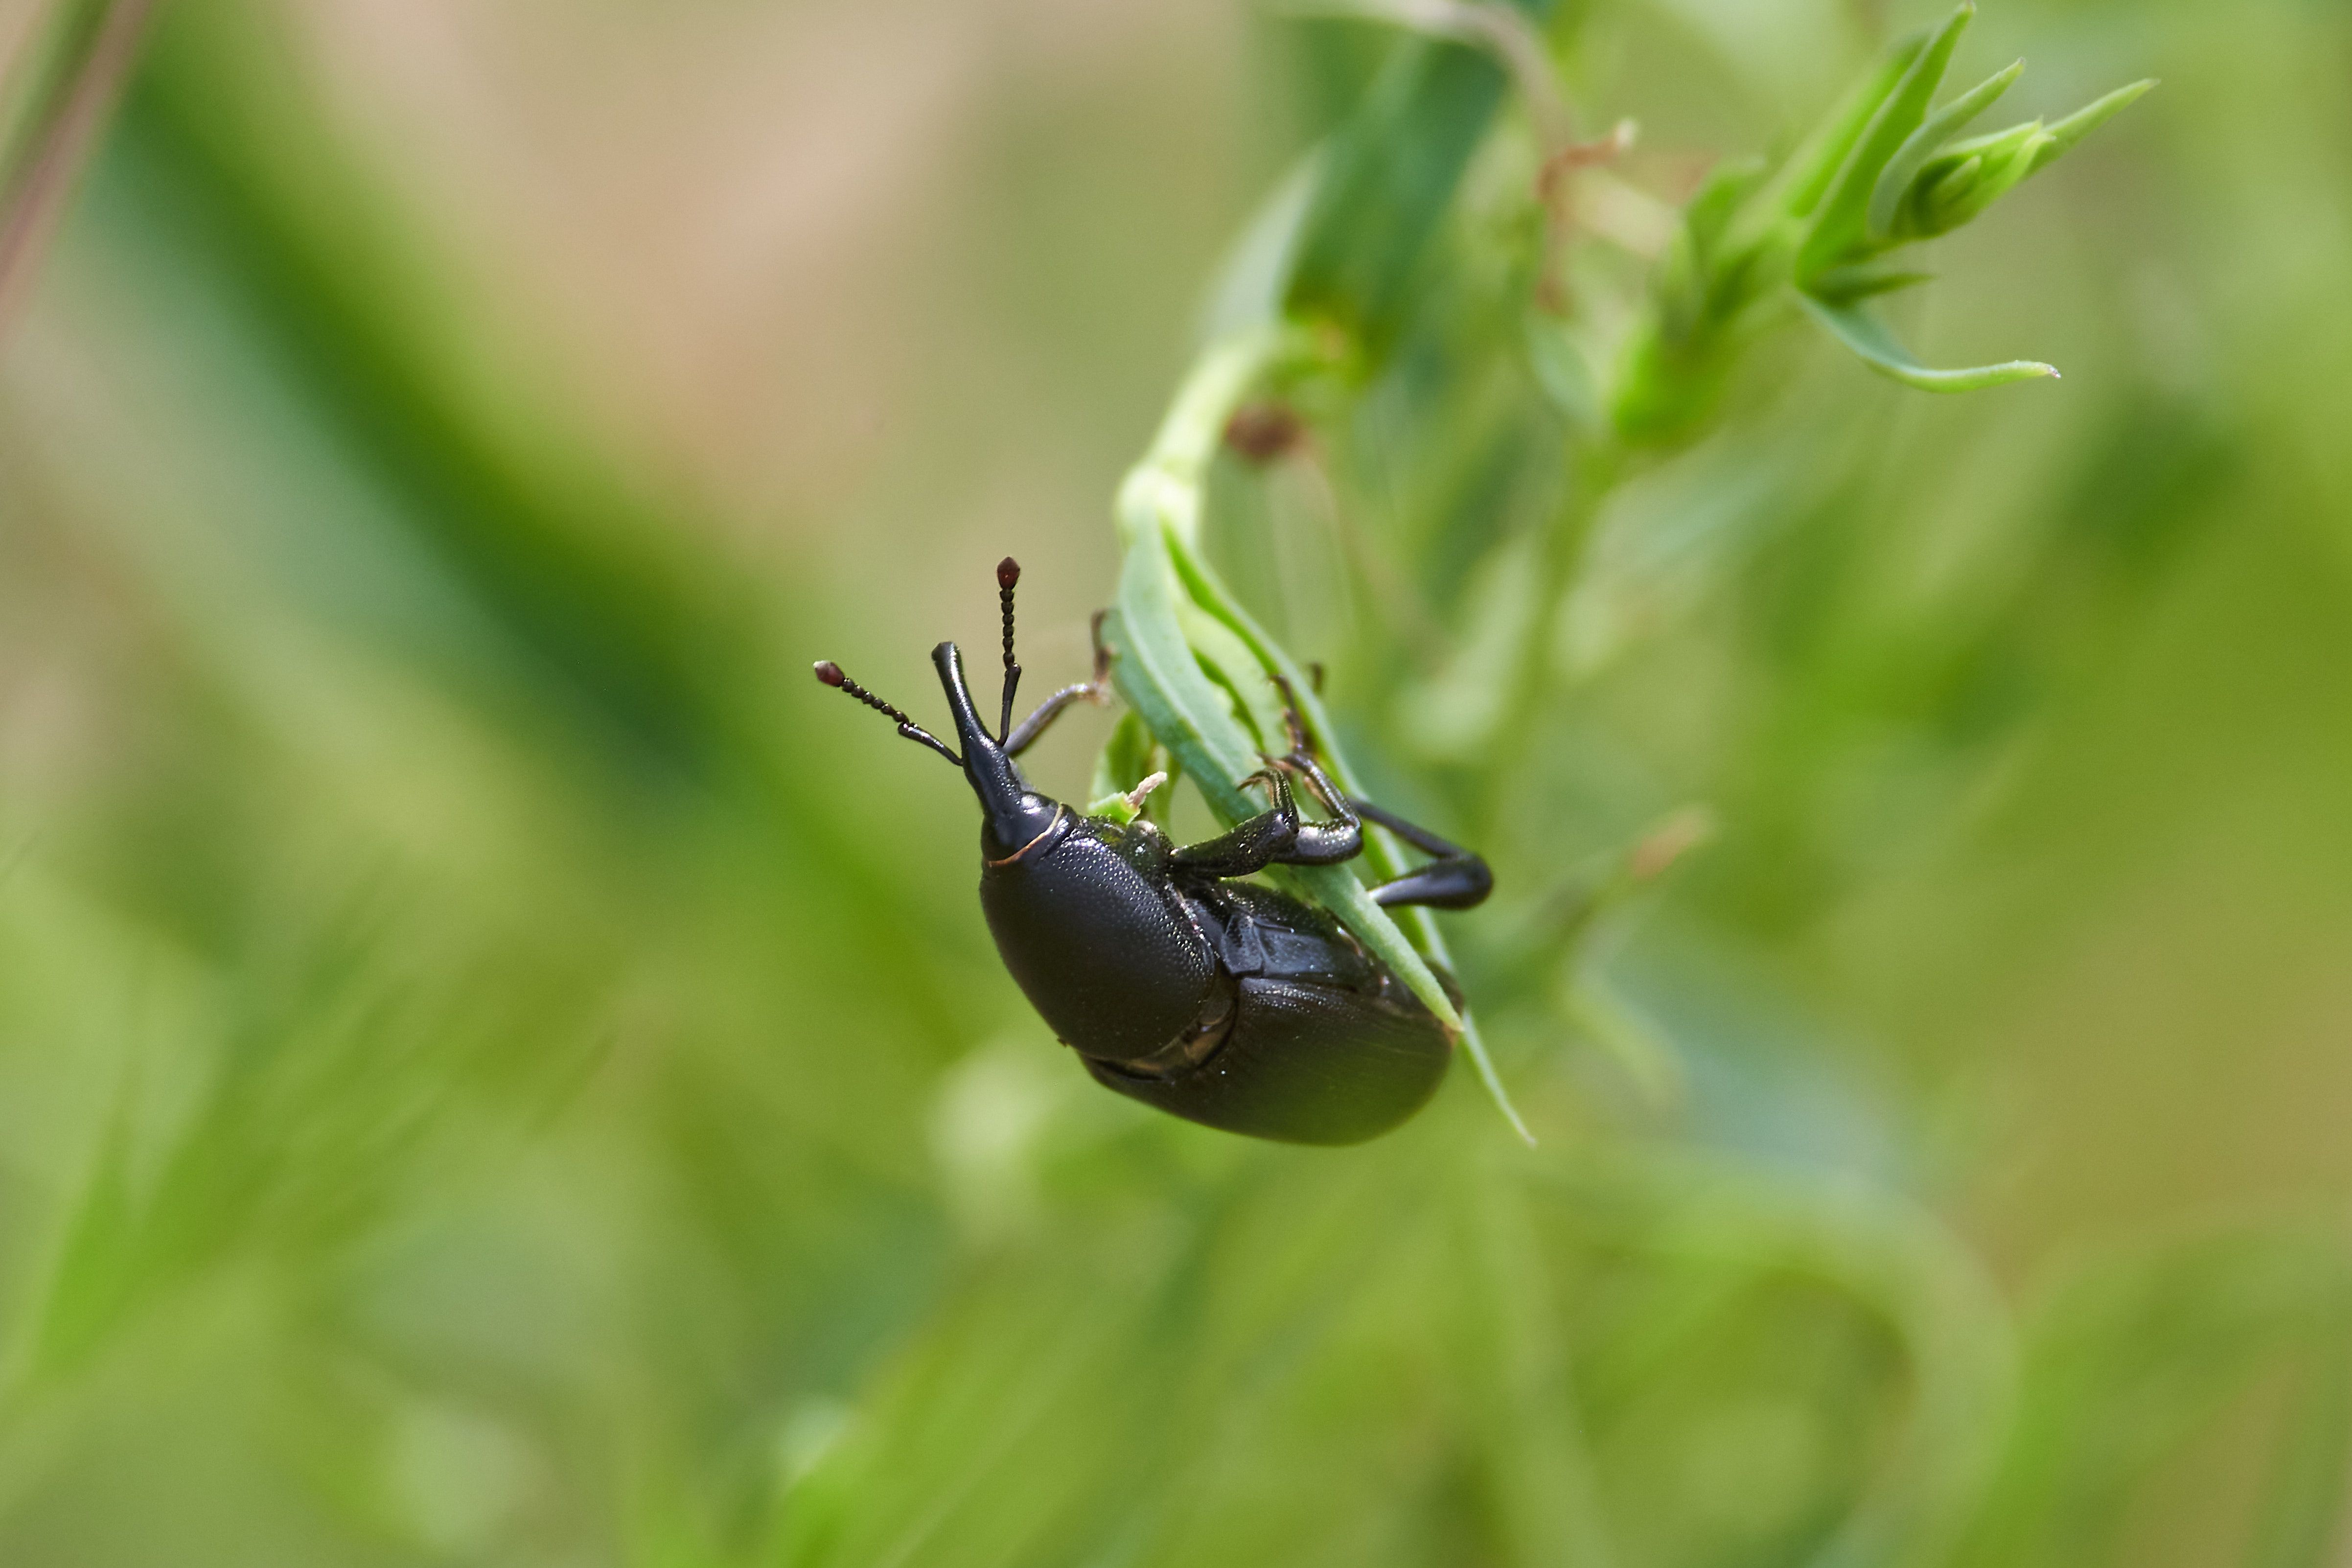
<point>1012,814</point>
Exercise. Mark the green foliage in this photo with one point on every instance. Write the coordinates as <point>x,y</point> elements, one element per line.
<point>1887,170</point>
<point>1882,171</point>
<point>497,1066</point>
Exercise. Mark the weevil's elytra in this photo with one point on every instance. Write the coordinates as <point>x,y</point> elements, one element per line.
<point>1221,1001</point>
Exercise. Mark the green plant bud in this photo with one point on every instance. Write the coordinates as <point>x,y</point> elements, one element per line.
<point>1993,167</point>
<point>1897,179</point>
<point>1943,190</point>
<point>1955,185</point>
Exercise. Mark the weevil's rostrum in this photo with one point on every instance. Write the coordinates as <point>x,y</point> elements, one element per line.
<point>1223,1001</point>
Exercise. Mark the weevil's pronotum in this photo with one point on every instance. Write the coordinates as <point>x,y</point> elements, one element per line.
<point>1225,1002</point>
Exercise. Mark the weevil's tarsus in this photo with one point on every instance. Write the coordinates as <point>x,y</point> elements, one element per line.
<point>1456,878</point>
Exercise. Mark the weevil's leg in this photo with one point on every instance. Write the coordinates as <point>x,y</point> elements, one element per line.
<point>1250,845</point>
<point>1276,838</point>
<point>1343,835</point>
<point>1039,722</point>
<point>1095,691</point>
<point>1456,879</point>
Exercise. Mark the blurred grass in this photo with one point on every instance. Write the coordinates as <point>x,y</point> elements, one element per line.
<point>493,1069</point>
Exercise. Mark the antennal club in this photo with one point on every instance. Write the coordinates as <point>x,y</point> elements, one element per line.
<point>1008,575</point>
<point>830,674</point>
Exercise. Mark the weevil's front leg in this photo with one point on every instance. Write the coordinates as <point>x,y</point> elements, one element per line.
<point>1281,837</point>
<point>1456,879</point>
<point>1095,691</point>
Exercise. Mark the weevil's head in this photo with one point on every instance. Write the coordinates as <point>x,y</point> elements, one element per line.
<point>1013,816</point>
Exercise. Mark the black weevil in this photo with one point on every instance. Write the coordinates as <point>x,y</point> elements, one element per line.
<point>1224,1001</point>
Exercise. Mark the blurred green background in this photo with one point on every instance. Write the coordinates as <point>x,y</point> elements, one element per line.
<point>497,1066</point>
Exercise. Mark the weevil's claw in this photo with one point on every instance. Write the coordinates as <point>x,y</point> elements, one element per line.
<point>1299,764</point>
<point>1302,766</point>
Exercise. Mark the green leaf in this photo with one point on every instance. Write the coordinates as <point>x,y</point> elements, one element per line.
<point>1838,226</point>
<point>1895,181</point>
<point>1875,346</point>
<point>1156,671</point>
<point>1229,661</point>
<point>2082,122</point>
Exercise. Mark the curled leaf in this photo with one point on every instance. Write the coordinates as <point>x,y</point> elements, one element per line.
<point>1870,342</point>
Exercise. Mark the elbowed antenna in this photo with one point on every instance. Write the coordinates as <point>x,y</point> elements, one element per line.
<point>830,674</point>
<point>1008,575</point>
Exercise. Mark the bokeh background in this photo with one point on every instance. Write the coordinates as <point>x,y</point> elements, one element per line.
<point>497,1066</point>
